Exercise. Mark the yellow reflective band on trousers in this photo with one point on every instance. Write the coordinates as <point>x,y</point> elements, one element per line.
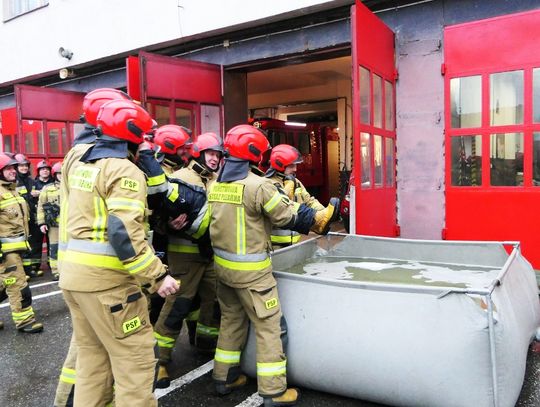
<point>164,341</point>
<point>181,248</point>
<point>271,204</point>
<point>100,220</point>
<point>141,263</point>
<point>67,375</point>
<point>11,201</point>
<point>23,315</point>
<point>125,204</point>
<point>207,330</point>
<point>231,357</point>
<point>272,369</point>
<point>240,230</point>
<point>157,180</point>
<point>243,265</point>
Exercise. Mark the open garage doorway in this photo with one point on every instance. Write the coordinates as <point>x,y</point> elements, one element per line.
<point>308,105</point>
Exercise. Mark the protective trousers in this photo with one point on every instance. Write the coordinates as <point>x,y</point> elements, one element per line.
<point>18,291</point>
<point>260,305</point>
<point>53,249</point>
<point>114,338</point>
<point>66,382</point>
<point>32,258</point>
<point>196,277</point>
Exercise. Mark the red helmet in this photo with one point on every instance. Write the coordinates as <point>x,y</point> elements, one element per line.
<point>283,155</point>
<point>56,168</point>
<point>95,99</point>
<point>6,161</point>
<point>21,159</point>
<point>43,164</point>
<point>124,120</point>
<point>246,142</point>
<point>171,137</point>
<point>207,141</point>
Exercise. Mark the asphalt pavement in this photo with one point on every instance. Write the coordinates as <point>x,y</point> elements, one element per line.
<point>30,365</point>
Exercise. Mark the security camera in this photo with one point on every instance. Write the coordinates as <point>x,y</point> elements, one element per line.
<point>65,53</point>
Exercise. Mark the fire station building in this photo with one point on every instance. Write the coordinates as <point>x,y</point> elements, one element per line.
<point>433,105</point>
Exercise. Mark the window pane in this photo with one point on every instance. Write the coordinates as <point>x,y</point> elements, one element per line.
<point>162,115</point>
<point>389,105</point>
<point>8,146</point>
<point>506,98</point>
<point>75,129</point>
<point>389,160</point>
<point>377,147</point>
<point>365,156</point>
<point>183,118</point>
<point>466,156</point>
<point>536,159</point>
<point>365,92</point>
<point>32,130</point>
<point>210,119</point>
<point>55,130</point>
<point>536,95</point>
<point>377,101</point>
<point>466,101</point>
<point>303,143</point>
<point>41,142</point>
<point>506,159</point>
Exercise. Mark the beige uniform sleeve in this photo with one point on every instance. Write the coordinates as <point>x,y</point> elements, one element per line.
<point>40,211</point>
<point>274,205</point>
<point>126,203</point>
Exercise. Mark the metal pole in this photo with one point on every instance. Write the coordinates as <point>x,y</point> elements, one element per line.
<point>493,355</point>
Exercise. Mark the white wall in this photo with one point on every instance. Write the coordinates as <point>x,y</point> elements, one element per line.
<point>96,29</point>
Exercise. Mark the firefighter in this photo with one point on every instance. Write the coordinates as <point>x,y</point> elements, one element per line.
<point>174,147</point>
<point>25,184</point>
<point>14,240</point>
<point>36,236</point>
<point>173,143</point>
<point>282,172</point>
<point>107,260</point>
<point>83,141</point>
<point>190,258</point>
<point>244,207</point>
<point>48,212</point>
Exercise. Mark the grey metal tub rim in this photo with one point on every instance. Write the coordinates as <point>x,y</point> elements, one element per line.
<point>406,344</point>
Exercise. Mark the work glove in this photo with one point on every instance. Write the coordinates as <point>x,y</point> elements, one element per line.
<point>289,185</point>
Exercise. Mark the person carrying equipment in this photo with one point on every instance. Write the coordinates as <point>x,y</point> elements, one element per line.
<point>244,207</point>
<point>107,261</point>
<point>92,102</point>
<point>190,254</point>
<point>282,173</point>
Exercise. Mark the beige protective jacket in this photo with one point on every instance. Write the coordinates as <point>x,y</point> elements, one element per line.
<point>14,215</point>
<point>105,239</point>
<point>49,194</point>
<point>242,215</point>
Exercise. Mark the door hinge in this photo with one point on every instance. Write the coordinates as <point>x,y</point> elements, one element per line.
<point>443,69</point>
<point>396,74</point>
